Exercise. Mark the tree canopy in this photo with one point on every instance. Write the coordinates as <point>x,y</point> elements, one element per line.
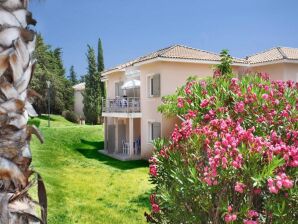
<point>49,67</point>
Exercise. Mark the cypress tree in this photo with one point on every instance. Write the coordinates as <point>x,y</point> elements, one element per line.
<point>92,90</point>
<point>100,68</point>
<point>72,76</point>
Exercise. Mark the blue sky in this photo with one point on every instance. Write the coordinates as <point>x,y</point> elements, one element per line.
<point>131,28</point>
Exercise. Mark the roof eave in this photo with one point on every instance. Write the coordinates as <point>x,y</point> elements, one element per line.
<point>293,61</point>
<point>196,61</point>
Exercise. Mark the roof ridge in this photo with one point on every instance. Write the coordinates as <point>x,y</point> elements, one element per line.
<point>261,52</point>
<point>289,47</point>
<point>197,49</point>
<point>209,52</point>
<point>284,56</point>
<point>159,50</point>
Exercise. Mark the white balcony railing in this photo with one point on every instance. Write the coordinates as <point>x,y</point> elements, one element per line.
<point>121,105</point>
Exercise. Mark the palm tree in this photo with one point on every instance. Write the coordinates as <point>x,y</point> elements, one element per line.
<point>17,43</point>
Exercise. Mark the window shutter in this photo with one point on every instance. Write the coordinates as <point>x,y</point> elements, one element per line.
<point>156,85</point>
<point>121,91</point>
<point>116,89</point>
<point>156,130</point>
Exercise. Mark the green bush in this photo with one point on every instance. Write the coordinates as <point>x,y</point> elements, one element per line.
<point>70,116</point>
<point>233,158</point>
<point>35,122</point>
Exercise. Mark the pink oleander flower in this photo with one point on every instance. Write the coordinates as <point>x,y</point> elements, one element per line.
<point>180,103</point>
<point>203,83</point>
<point>216,73</point>
<point>265,96</point>
<point>155,208</point>
<point>239,107</point>
<point>286,183</point>
<point>153,170</point>
<point>257,191</point>
<point>153,160</point>
<point>264,75</point>
<point>253,214</point>
<point>154,205</point>
<point>281,181</point>
<point>284,113</point>
<point>230,218</point>
<point>192,113</point>
<point>187,89</point>
<point>204,103</point>
<point>239,187</point>
<point>230,208</point>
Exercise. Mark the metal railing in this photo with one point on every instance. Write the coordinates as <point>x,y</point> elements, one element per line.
<point>121,105</point>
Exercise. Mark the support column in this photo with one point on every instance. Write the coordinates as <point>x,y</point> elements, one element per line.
<point>131,136</point>
<point>106,133</point>
<point>116,135</point>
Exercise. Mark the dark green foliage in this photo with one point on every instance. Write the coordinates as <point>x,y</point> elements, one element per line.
<point>70,116</point>
<point>49,67</point>
<point>35,122</point>
<point>72,76</point>
<point>226,60</point>
<point>92,94</point>
<point>100,60</point>
<point>100,68</point>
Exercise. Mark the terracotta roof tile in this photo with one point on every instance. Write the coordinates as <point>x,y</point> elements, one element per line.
<point>274,54</point>
<point>79,87</point>
<point>291,53</point>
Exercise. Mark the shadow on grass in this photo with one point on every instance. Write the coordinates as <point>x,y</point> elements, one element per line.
<point>97,145</point>
<point>94,154</point>
<point>45,117</point>
<point>142,200</point>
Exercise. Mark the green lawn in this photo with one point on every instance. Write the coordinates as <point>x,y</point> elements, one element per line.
<point>84,186</point>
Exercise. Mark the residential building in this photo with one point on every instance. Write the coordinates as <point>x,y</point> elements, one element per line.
<point>78,99</point>
<point>135,90</point>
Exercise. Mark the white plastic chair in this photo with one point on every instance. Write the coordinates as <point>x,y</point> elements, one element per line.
<point>125,147</point>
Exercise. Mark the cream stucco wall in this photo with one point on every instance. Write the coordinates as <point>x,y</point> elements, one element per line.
<point>276,71</point>
<point>282,71</point>
<point>78,103</point>
<point>291,72</point>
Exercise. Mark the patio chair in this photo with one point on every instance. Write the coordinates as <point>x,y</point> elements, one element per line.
<point>137,146</point>
<point>125,147</point>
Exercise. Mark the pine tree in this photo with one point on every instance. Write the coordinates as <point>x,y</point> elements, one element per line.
<point>72,76</point>
<point>100,68</point>
<point>49,67</point>
<point>92,90</point>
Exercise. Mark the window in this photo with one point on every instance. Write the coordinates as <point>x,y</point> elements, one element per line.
<point>154,131</point>
<point>154,85</point>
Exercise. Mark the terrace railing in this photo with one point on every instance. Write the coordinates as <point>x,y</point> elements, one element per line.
<point>122,105</point>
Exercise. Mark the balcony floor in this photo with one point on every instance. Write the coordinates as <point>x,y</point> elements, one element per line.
<point>122,115</point>
<point>120,156</point>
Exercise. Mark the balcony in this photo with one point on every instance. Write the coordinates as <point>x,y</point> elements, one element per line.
<point>121,105</point>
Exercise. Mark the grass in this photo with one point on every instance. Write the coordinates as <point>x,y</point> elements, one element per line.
<point>84,186</point>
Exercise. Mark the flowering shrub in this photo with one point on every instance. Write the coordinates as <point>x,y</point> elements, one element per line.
<point>233,158</point>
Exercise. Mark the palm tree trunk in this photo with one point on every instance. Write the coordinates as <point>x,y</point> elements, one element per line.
<point>17,43</point>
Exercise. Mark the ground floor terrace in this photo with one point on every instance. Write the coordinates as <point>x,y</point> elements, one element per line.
<point>122,137</point>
